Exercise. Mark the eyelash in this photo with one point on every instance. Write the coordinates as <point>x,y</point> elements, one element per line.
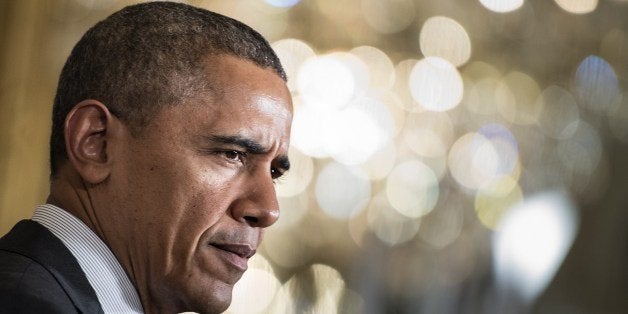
<point>275,173</point>
<point>238,154</point>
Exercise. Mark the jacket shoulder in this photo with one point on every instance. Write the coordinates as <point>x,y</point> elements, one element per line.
<point>28,287</point>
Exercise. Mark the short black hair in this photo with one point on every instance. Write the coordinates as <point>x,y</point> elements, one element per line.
<point>147,56</point>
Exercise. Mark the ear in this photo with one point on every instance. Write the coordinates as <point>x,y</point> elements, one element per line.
<point>86,139</point>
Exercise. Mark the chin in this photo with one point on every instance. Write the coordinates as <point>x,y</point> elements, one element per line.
<point>216,301</point>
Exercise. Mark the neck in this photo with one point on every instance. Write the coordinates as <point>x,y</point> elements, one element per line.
<point>70,192</point>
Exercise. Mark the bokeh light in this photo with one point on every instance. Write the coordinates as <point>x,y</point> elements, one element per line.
<point>402,81</point>
<point>380,67</point>
<point>292,53</point>
<point>477,159</point>
<point>297,179</point>
<point>577,6</point>
<point>293,209</point>
<point>358,131</point>
<point>481,83</point>
<point>429,134</point>
<point>495,198</point>
<point>342,191</point>
<point>256,289</point>
<point>326,82</point>
<point>436,84</point>
<point>317,289</point>
<point>381,163</point>
<point>412,189</point>
<point>596,84</point>
<point>388,224</point>
<point>445,38</point>
<point>531,242</point>
<point>516,98</point>
<point>502,6</point>
<point>282,3</point>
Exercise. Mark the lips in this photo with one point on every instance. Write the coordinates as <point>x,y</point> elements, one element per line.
<point>241,250</point>
<point>235,255</point>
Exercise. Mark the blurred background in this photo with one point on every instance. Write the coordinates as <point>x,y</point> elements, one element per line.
<point>449,156</point>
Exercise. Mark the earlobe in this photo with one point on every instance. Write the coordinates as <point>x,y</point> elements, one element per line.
<point>86,140</point>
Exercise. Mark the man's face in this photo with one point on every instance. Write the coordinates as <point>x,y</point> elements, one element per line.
<point>196,189</point>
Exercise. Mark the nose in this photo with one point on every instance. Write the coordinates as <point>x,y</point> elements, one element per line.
<point>258,206</point>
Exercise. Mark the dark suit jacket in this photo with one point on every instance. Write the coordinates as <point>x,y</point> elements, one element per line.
<point>38,274</point>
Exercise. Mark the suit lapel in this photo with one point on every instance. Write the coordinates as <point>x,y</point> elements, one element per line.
<point>33,240</point>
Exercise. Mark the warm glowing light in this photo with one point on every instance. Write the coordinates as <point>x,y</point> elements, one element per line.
<point>412,189</point>
<point>351,135</point>
<point>256,289</point>
<point>282,3</point>
<point>481,81</point>
<point>292,210</point>
<point>359,70</point>
<point>380,67</point>
<point>531,242</point>
<point>502,6</point>
<point>326,81</point>
<point>577,6</point>
<point>388,224</point>
<point>342,191</point>
<point>504,144</point>
<point>309,126</point>
<point>402,81</point>
<point>358,131</point>
<point>318,289</point>
<point>478,70</point>
<point>388,16</point>
<point>393,103</point>
<point>445,38</point>
<point>292,53</point>
<point>516,98</point>
<point>436,84</point>
<point>429,134</point>
<point>559,112</point>
<point>596,84</point>
<point>298,178</point>
<point>381,162</point>
<point>495,198</point>
<point>476,159</point>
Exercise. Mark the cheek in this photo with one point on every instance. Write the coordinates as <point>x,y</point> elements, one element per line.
<point>201,198</point>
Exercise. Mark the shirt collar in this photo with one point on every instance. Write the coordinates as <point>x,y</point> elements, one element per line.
<point>115,291</point>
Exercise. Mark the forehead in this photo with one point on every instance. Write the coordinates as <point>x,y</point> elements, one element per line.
<point>239,85</point>
<point>244,100</point>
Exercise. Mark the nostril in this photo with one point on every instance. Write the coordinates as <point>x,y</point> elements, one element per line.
<point>251,219</point>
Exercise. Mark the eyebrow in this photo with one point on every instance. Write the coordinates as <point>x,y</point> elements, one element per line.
<point>248,145</point>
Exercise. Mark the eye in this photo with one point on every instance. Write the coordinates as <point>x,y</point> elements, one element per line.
<point>234,155</point>
<point>275,173</point>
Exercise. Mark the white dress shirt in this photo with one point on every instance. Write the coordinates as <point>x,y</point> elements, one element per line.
<point>105,274</point>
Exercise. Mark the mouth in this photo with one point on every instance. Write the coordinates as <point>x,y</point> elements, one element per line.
<point>236,255</point>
